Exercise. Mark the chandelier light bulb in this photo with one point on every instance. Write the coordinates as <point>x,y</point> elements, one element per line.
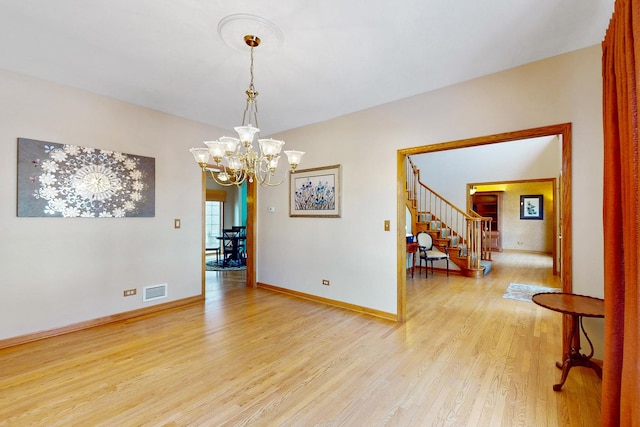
<point>216,150</point>
<point>246,133</point>
<point>270,147</point>
<point>230,144</point>
<point>294,158</point>
<point>273,163</point>
<point>201,155</point>
<point>234,163</point>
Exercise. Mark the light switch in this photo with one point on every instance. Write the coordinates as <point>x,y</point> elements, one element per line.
<point>387,225</point>
<point>176,223</point>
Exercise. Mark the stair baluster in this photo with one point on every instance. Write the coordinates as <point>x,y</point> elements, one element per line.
<point>457,232</point>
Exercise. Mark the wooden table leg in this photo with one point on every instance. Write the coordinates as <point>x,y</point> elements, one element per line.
<point>413,264</point>
<point>575,358</point>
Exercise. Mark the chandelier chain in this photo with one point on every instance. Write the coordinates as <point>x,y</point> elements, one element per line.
<point>252,105</point>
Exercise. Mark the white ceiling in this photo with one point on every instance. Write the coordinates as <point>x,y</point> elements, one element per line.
<point>338,56</point>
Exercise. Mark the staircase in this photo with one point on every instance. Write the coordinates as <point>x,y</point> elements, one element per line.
<point>458,233</point>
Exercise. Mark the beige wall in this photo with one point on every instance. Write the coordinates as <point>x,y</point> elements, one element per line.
<point>448,172</point>
<point>56,271</point>
<point>354,251</point>
<point>527,235</point>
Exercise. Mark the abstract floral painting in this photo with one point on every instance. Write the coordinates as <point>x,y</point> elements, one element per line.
<point>61,180</point>
<point>315,192</point>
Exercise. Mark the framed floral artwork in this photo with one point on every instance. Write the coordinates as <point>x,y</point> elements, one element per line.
<point>315,192</point>
<point>62,180</point>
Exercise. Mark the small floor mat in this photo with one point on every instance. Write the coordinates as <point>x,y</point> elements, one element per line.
<point>520,292</point>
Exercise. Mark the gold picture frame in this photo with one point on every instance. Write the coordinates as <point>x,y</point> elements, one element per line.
<point>316,192</point>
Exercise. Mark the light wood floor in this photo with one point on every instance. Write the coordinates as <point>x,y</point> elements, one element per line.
<point>465,357</point>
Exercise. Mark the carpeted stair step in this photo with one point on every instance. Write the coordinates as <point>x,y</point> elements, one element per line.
<point>463,249</point>
<point>424,217</point>
<point>487,266</point>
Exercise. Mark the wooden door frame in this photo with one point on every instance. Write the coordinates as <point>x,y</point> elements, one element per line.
<point>252,202</point>
<point>563,130</point>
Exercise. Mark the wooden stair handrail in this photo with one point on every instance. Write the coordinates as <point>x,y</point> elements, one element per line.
<point>417,172</point>
<point>469,227</point>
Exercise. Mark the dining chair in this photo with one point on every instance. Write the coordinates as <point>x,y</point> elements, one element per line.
<point>428,253</point>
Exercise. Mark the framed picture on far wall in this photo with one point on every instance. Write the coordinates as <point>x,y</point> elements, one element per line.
<point>315,192</point>
<point>531,207</point>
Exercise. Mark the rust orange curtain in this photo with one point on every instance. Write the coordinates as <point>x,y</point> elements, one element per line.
<point>620,63</point>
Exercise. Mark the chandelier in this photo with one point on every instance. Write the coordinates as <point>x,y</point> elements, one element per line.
<point>235,159</point>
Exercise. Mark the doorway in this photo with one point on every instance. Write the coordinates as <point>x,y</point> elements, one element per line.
<point>245,209</point>
<point>563,131</point>
<point>512,233</point>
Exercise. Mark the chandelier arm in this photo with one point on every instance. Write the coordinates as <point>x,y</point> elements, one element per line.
<point>268,182</point>
<point>240,176</point>
<point>264,175</point>
<point>244,114</point>
<point>238,179</point>
<point>213,177</point>
<point>255,115</point>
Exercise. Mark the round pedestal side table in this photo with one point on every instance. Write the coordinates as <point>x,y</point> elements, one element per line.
<point>576,306</point>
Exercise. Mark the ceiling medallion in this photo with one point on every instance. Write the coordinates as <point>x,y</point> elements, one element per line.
<point>233,28</point>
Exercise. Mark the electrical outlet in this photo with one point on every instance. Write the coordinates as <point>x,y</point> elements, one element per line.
<point>325,282</point>
<point>129,292</point>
